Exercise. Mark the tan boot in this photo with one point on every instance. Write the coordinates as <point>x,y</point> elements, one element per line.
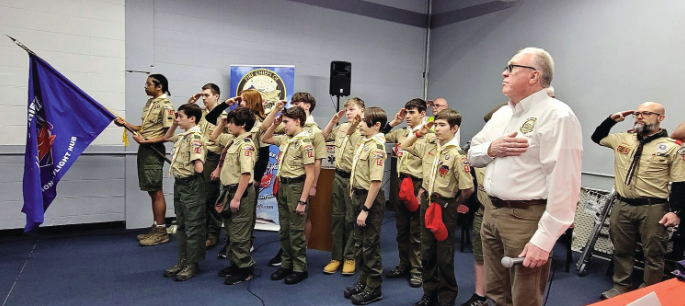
<point>144,236</point>
<point>211,242</point>
<point>171,272</point>
<point>158,237</point>
<point>332,267</point>
<point>188,272</point>
<point>348,267</point>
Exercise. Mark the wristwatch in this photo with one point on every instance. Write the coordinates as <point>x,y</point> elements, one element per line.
<point>302,202</point>
<point>366,209</point>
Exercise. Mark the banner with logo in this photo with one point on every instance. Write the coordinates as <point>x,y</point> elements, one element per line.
<point>274,83</point>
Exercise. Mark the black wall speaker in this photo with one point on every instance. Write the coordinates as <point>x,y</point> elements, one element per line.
<point>341,76</point>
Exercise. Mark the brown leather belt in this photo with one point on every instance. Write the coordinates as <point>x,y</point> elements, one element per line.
<point>520,204</point>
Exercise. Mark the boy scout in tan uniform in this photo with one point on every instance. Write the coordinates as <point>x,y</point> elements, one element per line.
<point>448,183</point>
<point>238,199</point>
<point>646,160</point>
<point>408,166</point>
<point>296,176</point>
<point>189,196</point>
<point>368,199</point>
<point>342,210</point>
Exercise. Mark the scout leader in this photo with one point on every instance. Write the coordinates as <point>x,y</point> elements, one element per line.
<point>238,198</point>
<point>158,116</point>
<point>296,177</point>
<point>189,192</point>
<point>369,200</point>
<point>448,183</point>
<point>342,210</point>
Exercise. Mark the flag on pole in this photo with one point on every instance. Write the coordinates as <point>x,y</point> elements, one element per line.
<point>62,121</point>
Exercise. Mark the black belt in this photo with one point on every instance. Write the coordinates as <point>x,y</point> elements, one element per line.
<point>436,195</point>
<point>187,179</point>
<point>641,201</point>
<point>343,173</point>
<point>210,153</point>
<point>521,204</point>
<point>231,188</point>
<point>292,180</point>
<point>360,191</point>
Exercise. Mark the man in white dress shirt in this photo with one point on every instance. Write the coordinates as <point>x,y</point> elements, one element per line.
<point>532,149</point>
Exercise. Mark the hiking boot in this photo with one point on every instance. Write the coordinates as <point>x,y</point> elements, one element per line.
<point>240,276</point>
<point>476,300</point>
<point>175,269</point>
<point>228,271</point>
<point>211,243</point>
<point>276,261</point>
<point>415,280</point>
<point>188,272</point>
<point>356,288</point>
<point>365,297</point>
<point>144,236</point>
<point>612,293</point>
<point>426,301</point>
<point>158,237</point>
<point>332,267</point>
<point>397,272</point>
<point>348,267</point>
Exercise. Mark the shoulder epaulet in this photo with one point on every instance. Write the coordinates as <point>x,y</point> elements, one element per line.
<point>379,146</point>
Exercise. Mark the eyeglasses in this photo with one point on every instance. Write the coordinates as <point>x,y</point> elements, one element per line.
<point>510,67</point>
<point>645,114</point>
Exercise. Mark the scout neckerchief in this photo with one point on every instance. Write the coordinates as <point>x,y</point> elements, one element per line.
<point>638,152</point>
<point>436,160</point>
<point>149,110</point>
<point>177,145</point>
<point>379,138</point>
<point>346,139</point>
<point>302,135</point>
<point>403,159</point>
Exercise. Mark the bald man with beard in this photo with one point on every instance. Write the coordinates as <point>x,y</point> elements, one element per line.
<point>645,161</point>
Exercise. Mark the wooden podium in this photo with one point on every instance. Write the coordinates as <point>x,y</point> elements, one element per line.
<point>320,212</point>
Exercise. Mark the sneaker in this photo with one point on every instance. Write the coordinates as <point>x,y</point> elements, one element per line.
<point>612,293</point>
<point>188,272</point>
<point>175,269</point>
<point>348,267</point>
<point>222,253</point>
<point>158,237</point>
<point>276,261</point>
<point>356,288</point>
<point>232,269</point>
<point>332,267</point>
<point>415,280</point>
<point>144,236</point>
<point>211,242</point>
<point>426,301</point>
<point>397,272</point>
<point>239,277</point>
<point>296,277</point>
<point>365,297</point>
<point>476,300</point>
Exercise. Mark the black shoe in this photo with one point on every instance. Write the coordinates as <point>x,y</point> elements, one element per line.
<point>397,272</point>
<point>232,269</point>
<point>426,301</point>
<point>222,253</point>
<point>364,297</point>
<point>476,300</point>
<point>280,274</point>
<point>296,277</point>
<point>356,288</point>
<point>276,261</point>
<point>188,272</point>
<point>239,277</point>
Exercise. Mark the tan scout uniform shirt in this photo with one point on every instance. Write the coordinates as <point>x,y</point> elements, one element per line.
<point>188,147</point>
<point>207,129</point>
<point>369,161</point>
<point>257,133</point>
<point>344,151</point>
<point>241,157</point>
<point>408,164</point>
<point>660,164</point>
<point>449,168</point>
<point>296,152</point>
<point>158,115</point>
<point>315,135</point>
<point>483,197</point>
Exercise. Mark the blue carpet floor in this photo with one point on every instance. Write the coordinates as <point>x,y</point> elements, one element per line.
<point>107,267</point>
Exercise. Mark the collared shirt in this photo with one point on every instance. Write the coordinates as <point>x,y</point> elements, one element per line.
<point>660,164</point>
<point>315,134</point>
<point>550,168</point>
<point>445,168</point>
<point>407,163</point>
<point>344,151</point>
<point>158,116</point>
<point>369,160</point>
<point>188,147</point>
<point>207,129</point>
<point>240,159</point>
<point>457,134</point>
<point>296,152</point>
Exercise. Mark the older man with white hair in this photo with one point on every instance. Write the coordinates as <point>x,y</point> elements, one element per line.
<point>532,149</point>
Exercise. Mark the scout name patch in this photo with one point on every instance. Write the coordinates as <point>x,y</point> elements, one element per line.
<point>623,149</point>
<point>528,126</point>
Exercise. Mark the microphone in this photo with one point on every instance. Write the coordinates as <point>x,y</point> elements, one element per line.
<point>509,262</point>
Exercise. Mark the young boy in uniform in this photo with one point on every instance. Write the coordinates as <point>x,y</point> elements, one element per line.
<point>189,193</point>
<point>296,177</point>
<point>448,183</point>
<point>238,199</point>
<point>342,211</point>
<point>368,199</point>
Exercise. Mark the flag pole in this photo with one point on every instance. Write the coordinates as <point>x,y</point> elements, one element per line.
<point>115,114</point>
